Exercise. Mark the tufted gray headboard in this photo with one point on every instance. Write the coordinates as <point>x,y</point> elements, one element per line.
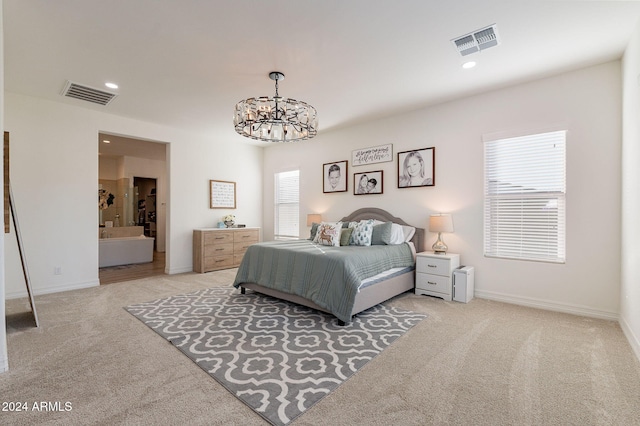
<point>385,216</point>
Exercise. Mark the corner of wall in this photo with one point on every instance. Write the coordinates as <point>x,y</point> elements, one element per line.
<point>630,245</point>
<point>634,340</point>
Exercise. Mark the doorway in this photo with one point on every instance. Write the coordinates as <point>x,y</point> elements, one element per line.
<point>145,199</point>
<point>138,170</point>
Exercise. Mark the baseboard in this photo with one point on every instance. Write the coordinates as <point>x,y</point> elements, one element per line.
<point>54,289</point>
<point>182,270</point>
<point>547,305</point>
<point>634,340</point>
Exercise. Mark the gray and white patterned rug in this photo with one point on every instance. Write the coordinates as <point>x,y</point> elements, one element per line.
<point>277,357</point>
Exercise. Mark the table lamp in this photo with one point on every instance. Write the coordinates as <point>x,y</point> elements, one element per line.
<point>440,223</point>
<point>313,217</point>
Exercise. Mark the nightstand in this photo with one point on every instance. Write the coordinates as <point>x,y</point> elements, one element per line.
<point>434,273</point>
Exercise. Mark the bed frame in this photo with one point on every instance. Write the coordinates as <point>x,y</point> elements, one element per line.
<point>371,295</point>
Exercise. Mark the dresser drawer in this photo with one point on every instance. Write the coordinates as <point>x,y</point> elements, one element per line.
<point>240,248</point>
<point>218,237</point>
<point>433,265</point>
<point>248,236</point>
<point>237,258</point>
<point>431,282</point>
<point>218,262</point>
<point>218,249</point>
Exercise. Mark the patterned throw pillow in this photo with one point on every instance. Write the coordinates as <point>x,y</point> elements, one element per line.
<point>328,234</point>
<point>361,235</point>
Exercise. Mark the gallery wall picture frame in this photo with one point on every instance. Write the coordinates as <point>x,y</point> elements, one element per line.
<point>373,154</point>
<point>367,183</point>
<point>417,168</point>
<point>222,194</point>
<point>334,176</point>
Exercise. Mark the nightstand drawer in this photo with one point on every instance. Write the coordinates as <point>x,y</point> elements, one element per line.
<point>433,265</point>
<point>431,282</point>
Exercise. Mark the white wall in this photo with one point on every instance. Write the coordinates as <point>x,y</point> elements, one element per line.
<point>630,290</point>
<point>107,168</point>
<point>4,361</point>
<point>54,174</point>
<point>586,102</point>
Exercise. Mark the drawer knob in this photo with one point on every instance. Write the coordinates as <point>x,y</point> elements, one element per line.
<point>432,266</point>
<point>429,282</point>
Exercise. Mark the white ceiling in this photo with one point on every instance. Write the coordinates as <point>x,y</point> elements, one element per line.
<point>111,146</point>
<point>187,63</point>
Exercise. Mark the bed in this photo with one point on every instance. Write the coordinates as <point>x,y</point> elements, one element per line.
<point>267,268</point>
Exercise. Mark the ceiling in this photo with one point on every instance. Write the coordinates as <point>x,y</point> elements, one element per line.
<point>186,63</point>
<point>114,146</point>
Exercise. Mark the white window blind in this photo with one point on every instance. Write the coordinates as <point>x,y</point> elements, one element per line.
<point>287,205</point>
<point>524,213</point>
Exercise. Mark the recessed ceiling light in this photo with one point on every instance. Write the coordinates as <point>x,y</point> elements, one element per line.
<point>468,65</point>
<point>106,141</point>
<point>111,85</point>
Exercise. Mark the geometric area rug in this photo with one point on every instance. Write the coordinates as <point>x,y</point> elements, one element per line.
<point>277,357</point>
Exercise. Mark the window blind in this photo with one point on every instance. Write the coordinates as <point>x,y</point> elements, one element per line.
<point>525,185</point>
<point>287,205</point>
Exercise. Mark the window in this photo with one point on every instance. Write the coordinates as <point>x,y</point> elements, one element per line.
<point>524,212</point>
<point>287,205</point>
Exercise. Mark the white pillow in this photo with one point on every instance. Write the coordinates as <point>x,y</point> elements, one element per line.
<point>328,234</point>
<point>362,232</point>
<point>397,234</point>
<point>408,232</point>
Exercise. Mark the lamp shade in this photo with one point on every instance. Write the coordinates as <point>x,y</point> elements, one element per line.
<point>440,223</point>
<point>311,218</point>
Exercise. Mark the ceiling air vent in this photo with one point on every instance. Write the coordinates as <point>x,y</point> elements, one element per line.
<point>86,93</point>
<point>477,40</point>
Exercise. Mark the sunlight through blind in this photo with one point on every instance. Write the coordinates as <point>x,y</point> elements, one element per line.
<point>287,214</point>
<point>524,212</point>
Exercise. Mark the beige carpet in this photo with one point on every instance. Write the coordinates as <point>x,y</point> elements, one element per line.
<point>468,364</point>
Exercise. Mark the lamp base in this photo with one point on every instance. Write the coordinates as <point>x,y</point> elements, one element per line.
<point>439,247</point>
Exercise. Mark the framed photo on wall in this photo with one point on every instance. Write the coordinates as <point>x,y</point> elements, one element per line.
<point>334,176</point>
<point>367,183</point>
<point>417,168</point>
<point>222,194</point>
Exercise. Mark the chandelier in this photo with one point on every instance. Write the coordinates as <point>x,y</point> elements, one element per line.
<point>275,119</point>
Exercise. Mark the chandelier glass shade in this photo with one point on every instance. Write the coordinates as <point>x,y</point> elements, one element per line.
<point>275,119</point>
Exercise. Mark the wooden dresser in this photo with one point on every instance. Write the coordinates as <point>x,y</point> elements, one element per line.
<point>223,248</point>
